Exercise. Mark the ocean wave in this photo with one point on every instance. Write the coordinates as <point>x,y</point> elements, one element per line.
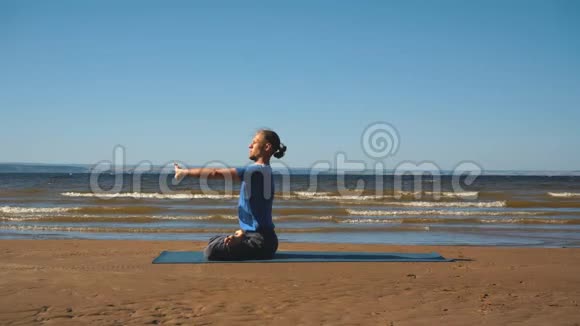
<point>464,194</point>
<point>117,210</point>
<point>343,197</point>
<point>482,204</point>
<point>370,221</point>
<point>22,218</point>
<point>145,195</point>
<point>326,218</point>
<point>32,210</point>
<point>436,212</point>
<point>564,194</point>
<point>312,193</point>
<point>460,194</point>
<point>225,230</point>
<point>57,228</point>
<point>14,210</point>
<point>196,218</point>
<point>460,221</point>
<point>366,197</point>
<point>306,195</point>
<point>87,218</point>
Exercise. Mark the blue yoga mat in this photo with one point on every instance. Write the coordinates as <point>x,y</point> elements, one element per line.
<point>196,257</point>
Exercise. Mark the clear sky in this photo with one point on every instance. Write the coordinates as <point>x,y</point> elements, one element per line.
<point>496,82</point>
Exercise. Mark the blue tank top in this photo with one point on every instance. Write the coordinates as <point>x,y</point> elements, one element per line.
<point>256,198</point>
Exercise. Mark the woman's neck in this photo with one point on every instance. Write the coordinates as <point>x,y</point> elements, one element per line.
<point>263,161</point>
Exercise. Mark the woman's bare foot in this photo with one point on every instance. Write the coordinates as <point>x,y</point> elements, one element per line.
<point>234,240</point>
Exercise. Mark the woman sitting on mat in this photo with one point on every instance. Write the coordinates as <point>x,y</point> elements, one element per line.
<point>256,239</point>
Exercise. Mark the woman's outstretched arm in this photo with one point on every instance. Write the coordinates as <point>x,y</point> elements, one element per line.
<point>207,172</point>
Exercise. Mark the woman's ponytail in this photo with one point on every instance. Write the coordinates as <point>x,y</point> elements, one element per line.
<point>272,138</point>
<point>280,152</point>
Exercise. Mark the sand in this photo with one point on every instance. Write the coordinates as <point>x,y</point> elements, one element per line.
<point>75,282</point>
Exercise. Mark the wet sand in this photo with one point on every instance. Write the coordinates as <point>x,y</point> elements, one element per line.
<point>100,282</point>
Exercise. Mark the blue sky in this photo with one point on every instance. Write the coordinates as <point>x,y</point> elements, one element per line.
<point>496,82</point>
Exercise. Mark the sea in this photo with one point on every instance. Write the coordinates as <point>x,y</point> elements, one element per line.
<point>513,208</point>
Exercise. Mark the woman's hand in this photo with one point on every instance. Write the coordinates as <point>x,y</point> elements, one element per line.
<point>179,172</point>
<point>234,240</point>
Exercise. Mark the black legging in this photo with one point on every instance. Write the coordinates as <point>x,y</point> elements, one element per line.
<point>255,245</point>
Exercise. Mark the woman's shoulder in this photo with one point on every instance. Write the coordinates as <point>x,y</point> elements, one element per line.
<point>256,166</point>
<point>262,168</point>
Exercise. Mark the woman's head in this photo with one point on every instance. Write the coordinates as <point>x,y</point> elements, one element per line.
<point>265,144</point>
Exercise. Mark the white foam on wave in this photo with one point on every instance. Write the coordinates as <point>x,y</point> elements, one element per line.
<point>95,218</point>
<point>40,228</point>
<point>481,204</point>
<point>301,218</point>
<point>350,197</point>
<point>20,219</point>
<point>377,212</point>
<point>450,204</point>
<point>34,210</point>
<point>329,196</point>
<point>464,194</point>
<point>524,221</point>
<point>450,221</point>
<point>195,218</point>
<point>377,221</point>
<point>311,193</point>
<point>355,197</point>
<point>325,218</point>
<point>144,195</point>
<point>370,221</point>
<point>326,196</point>
<point>564,194</point>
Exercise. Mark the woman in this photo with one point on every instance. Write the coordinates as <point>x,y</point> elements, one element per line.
<point>256,239</point>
